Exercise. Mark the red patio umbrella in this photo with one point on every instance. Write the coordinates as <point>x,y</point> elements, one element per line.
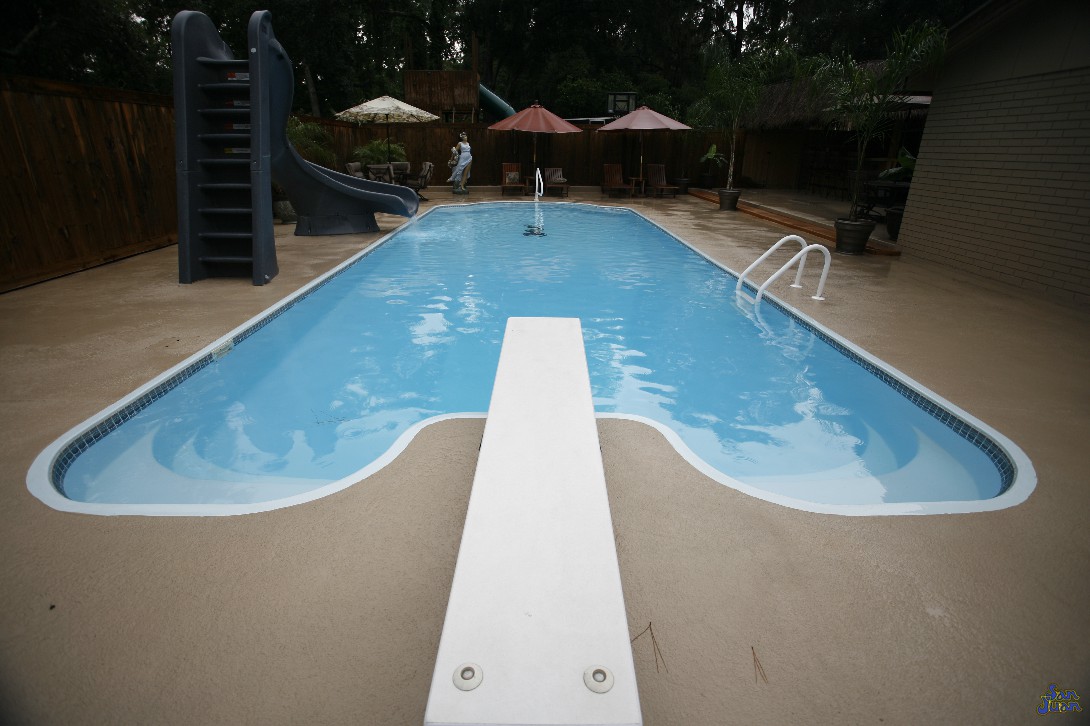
<point>537,120</point>
<point>644,119</point>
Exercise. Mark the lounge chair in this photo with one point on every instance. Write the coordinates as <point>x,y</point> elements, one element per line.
<point>354,168</point>
<point>656,181</point>
<point>554,179</point>
<point>613,180</point>
<point>511,178</point>
<point>380,173</point>
<point>419,182</point>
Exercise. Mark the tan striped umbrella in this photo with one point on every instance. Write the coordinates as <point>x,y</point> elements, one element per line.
<point>385,109</point>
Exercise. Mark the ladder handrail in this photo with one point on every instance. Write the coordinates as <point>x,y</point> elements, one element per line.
<point>799,257</point>
<point>766,255</point>
<point>539,184</point>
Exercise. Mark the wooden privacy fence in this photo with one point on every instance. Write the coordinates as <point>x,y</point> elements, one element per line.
<point>88,177</point>
<point>88,173</point>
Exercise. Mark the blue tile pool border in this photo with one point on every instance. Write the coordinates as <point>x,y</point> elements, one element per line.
<point>996,453</point>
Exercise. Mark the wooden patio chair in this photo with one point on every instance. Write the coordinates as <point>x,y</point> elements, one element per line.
<point>656,181</point>
<point>554,179</point>
<point>511,178</point>
<point>613,180</point>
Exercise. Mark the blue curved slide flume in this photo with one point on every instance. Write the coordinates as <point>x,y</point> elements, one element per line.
<point>326,201</point>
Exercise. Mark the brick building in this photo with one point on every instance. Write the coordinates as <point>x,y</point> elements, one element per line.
<point>1002,185</point>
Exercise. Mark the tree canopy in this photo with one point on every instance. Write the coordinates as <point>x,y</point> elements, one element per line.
<point>568,55</point>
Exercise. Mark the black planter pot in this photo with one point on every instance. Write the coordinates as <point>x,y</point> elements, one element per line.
<point>682,184</point>
<point>894,215</point>
<point>852,236</point>
<point>728,199</point>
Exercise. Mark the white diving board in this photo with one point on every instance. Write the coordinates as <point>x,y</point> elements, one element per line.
<point>535,630</point>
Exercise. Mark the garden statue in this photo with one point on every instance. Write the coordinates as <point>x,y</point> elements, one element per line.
<point>461,159</point>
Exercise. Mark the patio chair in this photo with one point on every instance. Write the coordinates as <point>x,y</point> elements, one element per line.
<point>554,179</point>
<point>380,173</point>
<point>420,181</point>
<point>613,180</point>
<point>401,171</point>
<point>511,178</point>
<point>355,168</point>
<point>656,181</point>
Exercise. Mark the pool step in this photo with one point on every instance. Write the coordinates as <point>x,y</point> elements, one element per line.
<point>535,629</point>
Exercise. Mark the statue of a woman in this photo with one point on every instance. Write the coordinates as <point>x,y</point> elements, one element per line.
<point>461,158</point>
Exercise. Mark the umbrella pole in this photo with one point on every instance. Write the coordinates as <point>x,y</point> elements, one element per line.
<point>387,138</point>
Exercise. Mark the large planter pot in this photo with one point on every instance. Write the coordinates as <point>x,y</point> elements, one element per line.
<point>852,236</point>
<point>682,184</point>
<point>894,215</point>
<point>728,199</point>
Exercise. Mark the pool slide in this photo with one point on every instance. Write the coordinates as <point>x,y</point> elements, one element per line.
<point>231,143</point>
<point>326,201</point>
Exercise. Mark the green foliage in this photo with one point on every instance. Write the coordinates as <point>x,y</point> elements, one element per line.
<point>862,97</point>
<point>312,142</point>
<point>906,165</point>
<point>374,152</point>
<point>567,55</point>
<point>579,91</point>
<point>733,89</point>
<point>712,156</point>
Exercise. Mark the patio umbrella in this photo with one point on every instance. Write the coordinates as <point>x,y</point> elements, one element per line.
<point>537,120</point>
<point>644,119</point>
<point>387,109</point>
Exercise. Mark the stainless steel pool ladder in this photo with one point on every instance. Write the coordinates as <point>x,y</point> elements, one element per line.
<point>800,257</point>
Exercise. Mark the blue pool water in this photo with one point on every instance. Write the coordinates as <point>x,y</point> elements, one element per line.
<point>412,330</point>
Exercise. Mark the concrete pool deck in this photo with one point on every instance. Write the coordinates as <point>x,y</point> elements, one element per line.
<point>330,612</point>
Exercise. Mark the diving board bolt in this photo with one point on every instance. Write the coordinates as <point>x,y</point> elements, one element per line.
<point>598,679</point>
<point>468,676</point>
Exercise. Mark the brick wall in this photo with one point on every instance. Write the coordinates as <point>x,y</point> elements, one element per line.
<point>1002,189</point>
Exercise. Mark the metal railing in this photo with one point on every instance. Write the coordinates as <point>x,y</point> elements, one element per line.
<point>800,258</point>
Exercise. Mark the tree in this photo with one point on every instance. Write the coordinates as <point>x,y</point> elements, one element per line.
<point>733,89</point>
<point>95,42</point>
<point>346,51</point>
<point>862,97</point>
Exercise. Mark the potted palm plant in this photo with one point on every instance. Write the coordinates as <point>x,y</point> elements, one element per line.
<point>862,99</point>
<point>733,90</point>
<point>711,159</point>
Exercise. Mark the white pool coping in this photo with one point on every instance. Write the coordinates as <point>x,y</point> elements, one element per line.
<point>40,484</point>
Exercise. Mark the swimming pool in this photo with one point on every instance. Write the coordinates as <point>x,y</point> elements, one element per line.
<point>331,384</point>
